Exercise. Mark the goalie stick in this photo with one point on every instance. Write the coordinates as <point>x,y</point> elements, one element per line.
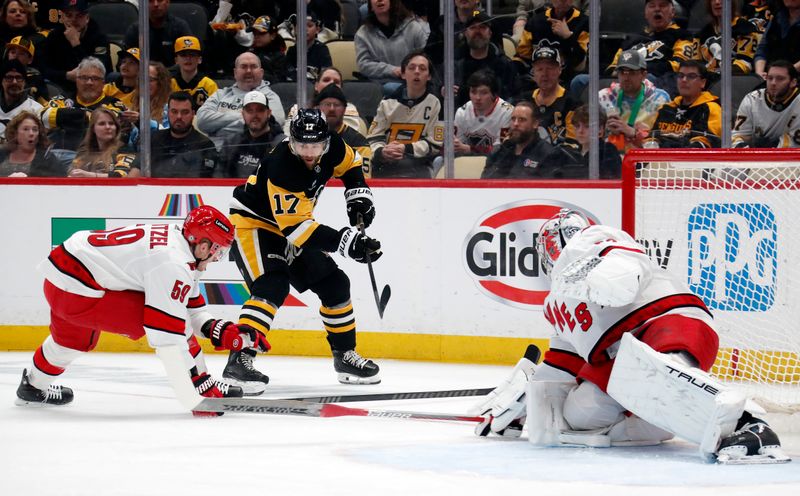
<point>382,300</point>
<point>305,409</point>
<point>347,398</point>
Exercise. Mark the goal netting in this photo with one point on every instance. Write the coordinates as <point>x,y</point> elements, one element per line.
<point>728,223</point>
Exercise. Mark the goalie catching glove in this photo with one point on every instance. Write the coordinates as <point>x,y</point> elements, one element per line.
<point>359,203</point>
<point>353,244</point>
<point>226,335</point>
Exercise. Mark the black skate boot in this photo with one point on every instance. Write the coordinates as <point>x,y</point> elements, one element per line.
<point>752,442</point>
<point>354,369</point>
<point>241,372</point>
<point>30,395</point>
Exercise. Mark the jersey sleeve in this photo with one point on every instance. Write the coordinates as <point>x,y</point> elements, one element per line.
<point>742,133</point>
<point>166,291</point>
<point>197,309</point>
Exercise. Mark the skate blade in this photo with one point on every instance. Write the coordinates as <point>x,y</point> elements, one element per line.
<point>38,404</point>
<point>345,378</point>
<point>767,459</point>
<point>249,388</point>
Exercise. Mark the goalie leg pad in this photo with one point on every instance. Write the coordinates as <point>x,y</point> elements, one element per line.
<point>680,399</point>
<point>545,408</point>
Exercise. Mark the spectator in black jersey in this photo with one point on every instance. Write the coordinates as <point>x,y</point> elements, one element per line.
<point>26,152</point>
<point>551,99</point>
<point>745,36</point>
<point>164,30</point>
<point>523,154</point>
<point>67,45</point>
<point>575,151</point>
<point>479,53</point>
<point>780,39</point>
<point>261,133</point>
<point>22,49</point>
<point>333,104</point>
<point>186,76</point>
<point>694,118</point>
<point>464,13</point>
<point>181,150</point>
<point>66,119</point>
<point>318,55</point>
<point>17,18</point>
<point>562,27</point>
<point>270,48</point>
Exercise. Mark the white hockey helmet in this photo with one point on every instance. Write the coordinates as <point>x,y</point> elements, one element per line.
<point>555,233</point>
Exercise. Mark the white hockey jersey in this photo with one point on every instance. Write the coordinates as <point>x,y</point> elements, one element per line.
<point>483,132</point>
<point>154,259</point>
<point>592,331</point>
<point>762,123</point>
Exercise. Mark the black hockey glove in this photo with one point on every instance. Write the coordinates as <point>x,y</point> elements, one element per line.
<point>355,245</point>
<point>359,201</point>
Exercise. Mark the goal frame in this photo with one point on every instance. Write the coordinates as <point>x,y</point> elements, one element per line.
<point>717,159</point>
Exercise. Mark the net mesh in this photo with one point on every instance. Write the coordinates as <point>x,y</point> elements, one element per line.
<point>731,230</point>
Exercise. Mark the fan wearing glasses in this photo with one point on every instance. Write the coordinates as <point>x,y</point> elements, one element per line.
<point>694,118</point>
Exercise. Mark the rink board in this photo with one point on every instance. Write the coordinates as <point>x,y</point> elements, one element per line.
<point>458,255</point>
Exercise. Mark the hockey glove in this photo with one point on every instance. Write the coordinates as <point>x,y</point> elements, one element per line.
<point>205,386</point>
<point>226,335</point>
<point>353,244</point>
<point>359,201</point>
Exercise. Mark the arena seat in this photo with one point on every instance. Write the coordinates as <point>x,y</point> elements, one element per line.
<point>343,55</point>
<point>742,84</point>
<point>350,19</point>
<point>114,18</point>
<point>287,92</point>
<point>365,95</point>
<point>194,14</point>
<point>509,46</point>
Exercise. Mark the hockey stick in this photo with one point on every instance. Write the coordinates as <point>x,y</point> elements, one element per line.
<point>382,300</point>
<point>305,409</point>
<point>347,398</point>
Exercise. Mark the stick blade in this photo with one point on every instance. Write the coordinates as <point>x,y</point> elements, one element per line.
<point>384,300</point>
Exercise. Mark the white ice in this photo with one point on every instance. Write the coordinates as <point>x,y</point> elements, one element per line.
<point>125,434</point>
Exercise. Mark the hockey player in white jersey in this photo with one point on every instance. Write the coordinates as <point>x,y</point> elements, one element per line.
<point>770,117</point>
<point>628,361</point>
<point>139,280</point>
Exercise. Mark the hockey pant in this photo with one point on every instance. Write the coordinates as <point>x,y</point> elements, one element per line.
<point>75,325</point>
<point>589,407</point>
<point>270,264</point>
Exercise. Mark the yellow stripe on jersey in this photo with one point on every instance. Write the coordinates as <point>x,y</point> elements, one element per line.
<point>247,244</point>
<point>301,233</point>
<point>243,222</point>
<point>294,213</point>
<point>350,160</point>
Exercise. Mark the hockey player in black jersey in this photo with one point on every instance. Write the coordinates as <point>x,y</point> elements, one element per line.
<point>279,242</point>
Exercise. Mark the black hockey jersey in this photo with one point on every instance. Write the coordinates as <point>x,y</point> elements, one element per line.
<point>280,197</point>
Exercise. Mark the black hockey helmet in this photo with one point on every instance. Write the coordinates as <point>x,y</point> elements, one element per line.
<point>309,126</point>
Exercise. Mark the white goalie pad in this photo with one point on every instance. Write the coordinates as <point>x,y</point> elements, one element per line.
<point>545,405</point>
<point>673,396</point>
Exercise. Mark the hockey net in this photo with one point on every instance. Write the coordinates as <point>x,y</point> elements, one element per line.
<point>728,223</point>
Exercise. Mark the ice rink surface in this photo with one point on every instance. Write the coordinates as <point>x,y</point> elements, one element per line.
<point>125,434</point>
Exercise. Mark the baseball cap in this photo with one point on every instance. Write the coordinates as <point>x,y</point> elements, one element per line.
<point>22,43</point>
<point>545,52</point>
<point>330,91</point>
<point>479,17</point>
<point>13,65</point>
<point>263,24</point>
<point>130,52</point>
<point>631,59</point>
<point>187,43</point>
<point>79,5</point>
<point>255,97</point>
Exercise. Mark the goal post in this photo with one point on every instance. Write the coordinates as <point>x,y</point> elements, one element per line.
<point>727,222</point>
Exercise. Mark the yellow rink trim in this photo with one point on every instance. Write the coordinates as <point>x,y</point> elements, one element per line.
<point>428,347</point>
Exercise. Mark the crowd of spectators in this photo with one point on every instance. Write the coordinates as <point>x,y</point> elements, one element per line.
<point>70,106</point>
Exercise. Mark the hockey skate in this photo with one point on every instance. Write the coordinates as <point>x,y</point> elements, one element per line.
<point>30,395</point>
<point>753,443</point>
<point>241,372</point>
<point>354,369</point>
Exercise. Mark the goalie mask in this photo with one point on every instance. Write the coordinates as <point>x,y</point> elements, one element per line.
<point>554,235</point>
<point>206,222</point>
<point>308,134</point>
